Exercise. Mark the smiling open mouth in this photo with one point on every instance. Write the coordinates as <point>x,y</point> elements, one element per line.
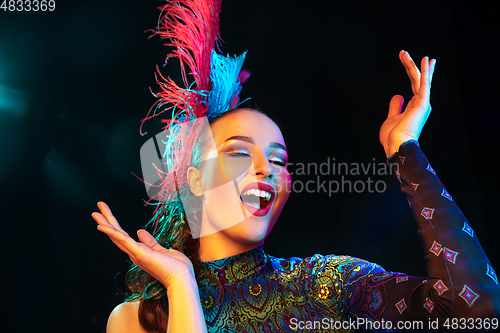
<point>257,198</point>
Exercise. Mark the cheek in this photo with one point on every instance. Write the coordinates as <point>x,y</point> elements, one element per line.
<point>283,183</point>
<point>222,204</point>
<point>235,168</point>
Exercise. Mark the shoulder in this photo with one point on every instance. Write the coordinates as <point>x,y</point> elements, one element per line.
<point>318,264</point>
<point>349,269</point>
<point>124,319</point>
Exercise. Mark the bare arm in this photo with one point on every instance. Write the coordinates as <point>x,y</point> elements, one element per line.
<point>185,313</point>
<point>172,268</point>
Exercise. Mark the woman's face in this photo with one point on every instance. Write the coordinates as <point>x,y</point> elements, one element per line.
<point>245,179</point>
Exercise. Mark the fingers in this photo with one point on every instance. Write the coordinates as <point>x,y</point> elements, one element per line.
<point>109,225</point>
<point>433,66</point>
<point>411,70</point>
<point>106,212</point>
<point>101,220</point>
<point>418,79</point>
<point>395,105</point>
<point>146,238</point>
<point>427,72</point>
<point>120,239</point>
<point>424,80</point>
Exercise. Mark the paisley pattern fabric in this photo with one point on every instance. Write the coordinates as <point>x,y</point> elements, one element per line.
<point>256,292</point>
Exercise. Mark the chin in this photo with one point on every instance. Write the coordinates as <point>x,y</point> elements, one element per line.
<point>255,227</point>
<point>251,231</point>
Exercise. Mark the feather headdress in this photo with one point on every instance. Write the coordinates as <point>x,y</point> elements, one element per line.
<point>192,28</point>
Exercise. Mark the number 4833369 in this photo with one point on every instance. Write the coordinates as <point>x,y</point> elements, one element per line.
<point>28,5</point>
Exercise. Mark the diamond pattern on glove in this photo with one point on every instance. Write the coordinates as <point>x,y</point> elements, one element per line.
<point>450,255</point>
<point>446,195</point>
<point>430,169</point>
<point>401,305</point>
<point>468,295</point>
<point>401,278</point>
<point>440,287</point>
<point>436,248</point>
<point>427,213</point>
<point>468,230</point>
<point>491,273</point>
<point>428,305</point>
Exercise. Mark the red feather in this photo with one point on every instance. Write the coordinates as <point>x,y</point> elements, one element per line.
<point>192,27</point>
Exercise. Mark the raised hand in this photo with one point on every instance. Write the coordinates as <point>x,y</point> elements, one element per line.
<point>401,127</point>
<point>165,265</point>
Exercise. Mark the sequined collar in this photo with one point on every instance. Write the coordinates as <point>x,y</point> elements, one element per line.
<point>235,268</point>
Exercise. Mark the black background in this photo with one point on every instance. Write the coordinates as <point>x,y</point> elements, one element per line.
<point>74,85</point>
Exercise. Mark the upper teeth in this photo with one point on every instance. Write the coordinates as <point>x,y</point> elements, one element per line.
<point>258,193</point>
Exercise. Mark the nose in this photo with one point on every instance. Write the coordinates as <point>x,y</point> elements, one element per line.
<point>262,166</point>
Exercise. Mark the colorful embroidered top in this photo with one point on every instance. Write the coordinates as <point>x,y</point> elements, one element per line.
<point>256,292</point>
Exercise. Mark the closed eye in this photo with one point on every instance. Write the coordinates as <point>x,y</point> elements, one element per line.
<point>244,153</point>
<point>237,153</point>
<point>277,162</point>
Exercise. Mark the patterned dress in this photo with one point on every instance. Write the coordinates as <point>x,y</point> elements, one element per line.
<point>255,292</point>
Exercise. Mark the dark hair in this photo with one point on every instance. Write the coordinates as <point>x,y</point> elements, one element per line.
<point>172,232</point>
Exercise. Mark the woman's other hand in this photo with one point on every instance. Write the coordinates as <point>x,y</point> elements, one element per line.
<point>167,266</point>
<point>401,127</point>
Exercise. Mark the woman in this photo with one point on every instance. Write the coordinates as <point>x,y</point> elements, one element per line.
<point>224,282</point>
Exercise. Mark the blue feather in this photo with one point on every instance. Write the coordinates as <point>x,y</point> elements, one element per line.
<point>225,85</point>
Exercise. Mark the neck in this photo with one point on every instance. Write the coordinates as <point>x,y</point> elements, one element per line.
<point>228,242</point>
<point>216,246</point>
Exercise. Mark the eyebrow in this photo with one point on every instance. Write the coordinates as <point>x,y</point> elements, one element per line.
<point>252,141</point>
